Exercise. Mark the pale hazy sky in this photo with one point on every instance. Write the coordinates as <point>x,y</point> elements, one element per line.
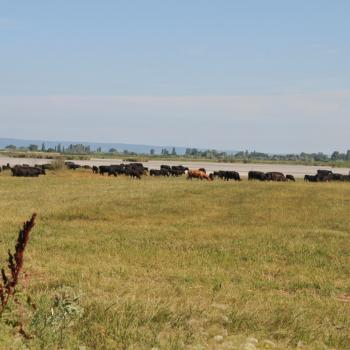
<point>267,75</point>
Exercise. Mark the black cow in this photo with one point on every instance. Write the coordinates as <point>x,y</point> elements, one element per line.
<point>179,168</point>
<point>72,165</point>
<point>324,175</point>
<point>232,175</point>
<point>176,172</point>
<point>6,167</point>
<point>275,176</point>
<point>310,178</point>
<point>22,171</point>
<point>95,169</point>
<point>290,178</point>
<point>116,169</point>
<point>136,168</point>
<point>103,169</point>
<point>220,174</point>
<point>227,175</point>
<point>256,175</point>
<point>161,172</point>
<point>155,172</point>
<point>166,167</point>
<point>339,177</point>
<point>134,172</point>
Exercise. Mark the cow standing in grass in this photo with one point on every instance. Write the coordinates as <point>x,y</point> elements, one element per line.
<point>290,178</point>
<point>256,175</point>
<point>27,171</point>
<point>198,174</point>
<point>275,176</point>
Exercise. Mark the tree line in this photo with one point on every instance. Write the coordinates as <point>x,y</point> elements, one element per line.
<point>193,153</point>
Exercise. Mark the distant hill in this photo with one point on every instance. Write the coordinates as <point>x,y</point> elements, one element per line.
<point>94,145</point>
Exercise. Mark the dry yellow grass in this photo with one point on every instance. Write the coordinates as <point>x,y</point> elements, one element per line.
<point>174,264</point>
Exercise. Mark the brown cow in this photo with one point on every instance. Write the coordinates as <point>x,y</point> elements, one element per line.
<point>198,174</point>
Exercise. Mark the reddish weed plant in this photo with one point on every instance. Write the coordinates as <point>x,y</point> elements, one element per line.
<point>9,280</point>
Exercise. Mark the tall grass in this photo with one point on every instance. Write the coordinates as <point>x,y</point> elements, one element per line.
<point>173,264</point>
<point>58,163</point>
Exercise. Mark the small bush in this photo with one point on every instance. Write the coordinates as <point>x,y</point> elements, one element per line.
<point>58,164</point>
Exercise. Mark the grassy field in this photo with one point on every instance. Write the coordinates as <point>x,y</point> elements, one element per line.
<point>115,263</point>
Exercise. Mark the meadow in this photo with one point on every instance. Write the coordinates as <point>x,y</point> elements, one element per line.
<point>115,263</point>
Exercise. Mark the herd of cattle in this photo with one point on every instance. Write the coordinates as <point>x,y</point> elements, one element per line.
<point>137,170</point>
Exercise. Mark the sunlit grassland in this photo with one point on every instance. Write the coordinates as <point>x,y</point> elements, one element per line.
<point>169,263</point>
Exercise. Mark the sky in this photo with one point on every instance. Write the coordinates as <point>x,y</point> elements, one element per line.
<point>269,75</point>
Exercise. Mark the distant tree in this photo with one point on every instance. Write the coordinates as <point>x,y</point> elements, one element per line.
<point>11,147</point>
<point>78,148</point>
<point>33,148</point>
<point>151,152</point>
<point>43,148</point>
<point>173,152</point>
<point>59,148</point>
<point>165,152</point>
<point>194,151</point>
<point>98,149</point>
<point>335,155</point>
<point>113,150</point>
<point>347,156</point>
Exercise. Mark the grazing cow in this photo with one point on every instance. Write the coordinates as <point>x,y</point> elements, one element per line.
<point>231,175</point>
<point>22,171</point>
<point>176,172</point>
<point>324,172</point>
<point>310,178</point>
<point>95,169</point>
<point>103,169</point>
<point>165,167</point>
<point>72,165</point>
<point>339,177</point>
<point>116,169</point>
<point>6,167</point>
<point>275,176</point>
<point>135,168</point>
<point>220,174</point>
<point>155,172</point>
<point>256,175</point>
<point>227,175</point>
<point>134,173</point>
<point>324,175</point>
<point>198,174</point>
<point>179,168</point>
<point>346,177</point>
<point>290,178</point>
<point>161,172</point>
